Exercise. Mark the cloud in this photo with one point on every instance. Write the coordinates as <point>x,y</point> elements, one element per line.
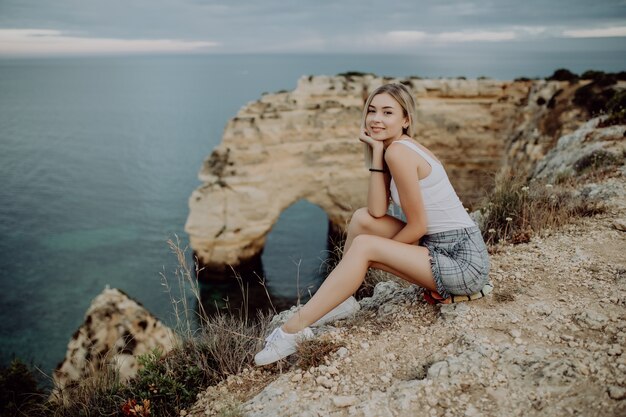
<point>616,31</point>
<point>475,36</point>
<point>18,42</point>
<point>405,37</point>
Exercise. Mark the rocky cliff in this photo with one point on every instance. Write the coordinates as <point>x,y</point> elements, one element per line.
<point>116,330</point>
<point>303,144</point>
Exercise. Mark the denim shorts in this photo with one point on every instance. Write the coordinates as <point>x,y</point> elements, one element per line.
<point>459,261</point>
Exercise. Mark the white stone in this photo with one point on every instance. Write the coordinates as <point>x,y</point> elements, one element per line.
<point>324,382</point>
<point>342,401</point>
<point>342,351</point>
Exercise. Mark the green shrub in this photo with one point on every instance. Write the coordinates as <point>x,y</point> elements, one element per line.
<point>161,384</point>
<point>598,159</point>
<point>592,75</point>
<point>349,74</point>
<point>616,109</point>
<point>593,97</point>
<point>563,74</point>
<point>19,391</point>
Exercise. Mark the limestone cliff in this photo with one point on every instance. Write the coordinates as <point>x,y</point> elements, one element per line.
<point>116,330</point>
<point>303,144</point>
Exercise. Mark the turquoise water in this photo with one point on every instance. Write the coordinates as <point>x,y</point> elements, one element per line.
<point>98,157</point>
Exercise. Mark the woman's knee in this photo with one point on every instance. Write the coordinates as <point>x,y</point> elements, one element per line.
<point>361,220</point>
<point>363,244</point>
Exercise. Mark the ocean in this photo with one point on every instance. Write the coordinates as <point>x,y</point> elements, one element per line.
<point>98,156</point>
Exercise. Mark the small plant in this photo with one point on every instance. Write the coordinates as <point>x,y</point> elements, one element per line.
<point>312,353</point>
<point>132,408</point>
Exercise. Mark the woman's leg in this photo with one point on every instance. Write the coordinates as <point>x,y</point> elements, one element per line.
<point>362,223</point>
<point>410,262</point>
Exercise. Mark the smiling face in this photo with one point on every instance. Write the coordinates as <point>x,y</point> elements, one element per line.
<point>385,118</point>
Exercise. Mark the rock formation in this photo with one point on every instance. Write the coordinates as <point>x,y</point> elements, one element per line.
<point>303,145</point>
<point>589,147</point>
<point>116,330</point>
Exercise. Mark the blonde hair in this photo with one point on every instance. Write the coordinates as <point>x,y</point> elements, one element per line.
<point>404,97</point>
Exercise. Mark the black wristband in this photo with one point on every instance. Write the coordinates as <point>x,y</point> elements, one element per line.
<point>377,170</point>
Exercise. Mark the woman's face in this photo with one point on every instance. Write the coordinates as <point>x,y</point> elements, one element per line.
<point>385,118</point>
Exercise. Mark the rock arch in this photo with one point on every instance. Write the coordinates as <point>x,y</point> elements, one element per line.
<point>234,219</point>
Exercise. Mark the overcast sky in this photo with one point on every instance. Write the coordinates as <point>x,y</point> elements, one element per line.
<point>40,27</point>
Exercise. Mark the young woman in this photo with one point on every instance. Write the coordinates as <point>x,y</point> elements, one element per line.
<point>438,248</point>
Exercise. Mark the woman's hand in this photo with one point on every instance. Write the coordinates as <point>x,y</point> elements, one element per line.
<point>366,138</point>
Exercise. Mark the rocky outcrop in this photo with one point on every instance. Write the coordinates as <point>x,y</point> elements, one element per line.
<point>116,330</point>
<point>590,148</point>
<point>303,145</point>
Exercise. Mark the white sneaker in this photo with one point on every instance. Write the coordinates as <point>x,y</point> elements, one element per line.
<point>346,309</point>
<point>280,345</point>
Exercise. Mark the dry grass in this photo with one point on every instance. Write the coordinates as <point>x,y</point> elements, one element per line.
<point>96,395</point>
<point>314,352</point>
<point>516,210</point>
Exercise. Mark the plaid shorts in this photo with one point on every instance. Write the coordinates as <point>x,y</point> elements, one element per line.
<point>459,261</point>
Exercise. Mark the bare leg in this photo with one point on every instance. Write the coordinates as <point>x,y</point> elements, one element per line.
<point>410,262</point>
<point>362,223</point>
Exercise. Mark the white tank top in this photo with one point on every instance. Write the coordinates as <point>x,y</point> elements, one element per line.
<point>444,210</point>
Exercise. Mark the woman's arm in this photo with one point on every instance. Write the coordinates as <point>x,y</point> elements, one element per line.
<point>403,166</point>
<point>378,190</point>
